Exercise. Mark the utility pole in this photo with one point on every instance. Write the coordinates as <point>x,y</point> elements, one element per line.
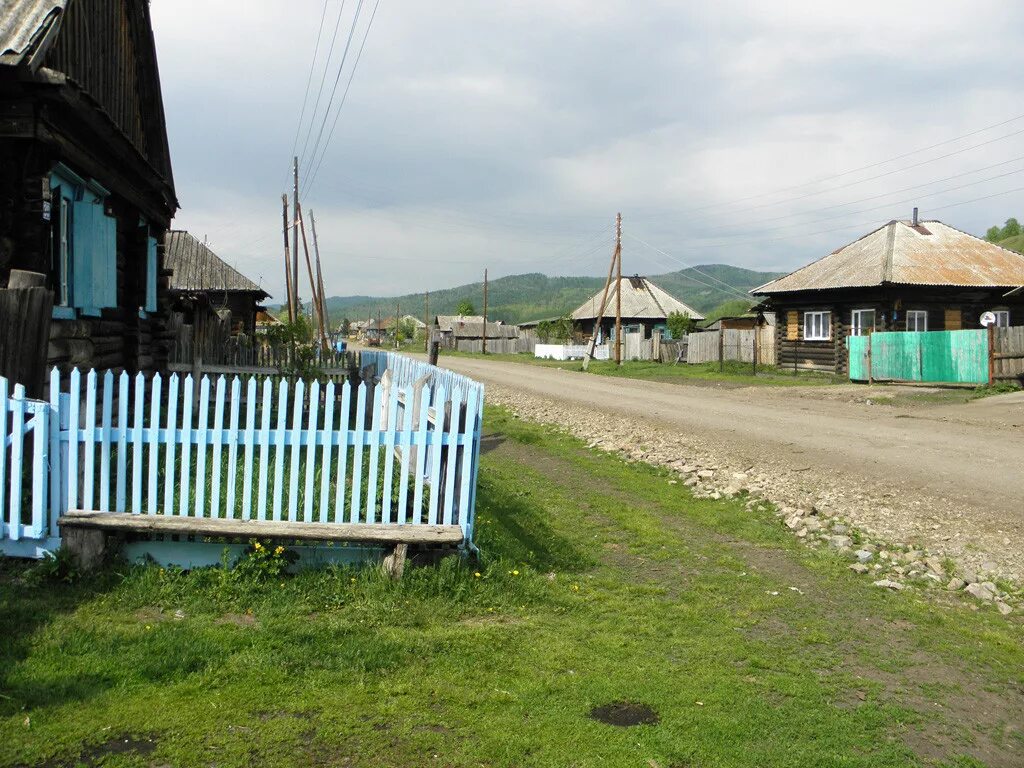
<point>319,273</point>
<point>483,332</point>
<point>398,313</point>
<point>426,321</point>
<point>600,315</point>
<point>618,289</point>
<point>287,262</point>
<point>315,309</point>
<point>295,232</point>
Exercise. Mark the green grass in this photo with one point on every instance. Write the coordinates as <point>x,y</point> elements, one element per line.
<point>740,374</point>
<point>599,582</point>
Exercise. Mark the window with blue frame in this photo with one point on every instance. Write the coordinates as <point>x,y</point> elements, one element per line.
<point>84,245</point>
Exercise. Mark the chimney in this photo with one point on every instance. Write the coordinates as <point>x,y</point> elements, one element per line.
<point>915,217</point>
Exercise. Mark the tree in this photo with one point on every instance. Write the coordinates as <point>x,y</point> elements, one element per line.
<point>560,329</point>
<point>679,324</point>
<point>994,234</point>
<point>465,307</point>
<point>405,329</point>
<point>346,327</point>
<point>1010,229</point>
<point>730,308</point>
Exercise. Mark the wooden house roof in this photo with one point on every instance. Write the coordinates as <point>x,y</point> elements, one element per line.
<point>899,253</point>
<point>641,299</point>
<point>197,269</point>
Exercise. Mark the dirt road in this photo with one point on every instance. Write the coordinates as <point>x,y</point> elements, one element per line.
<point>949,477</point>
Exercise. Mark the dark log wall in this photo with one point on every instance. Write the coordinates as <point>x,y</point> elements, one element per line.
<point>948,309</point>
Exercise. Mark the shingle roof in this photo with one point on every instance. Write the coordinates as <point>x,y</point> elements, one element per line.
<point>932,253</point>
<point>197,268</point>
<point>640,299</point>
<point>445,323</point>
<point>24,24</point>
<point>494,331</point>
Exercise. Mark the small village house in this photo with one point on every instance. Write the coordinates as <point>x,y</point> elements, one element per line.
<point>202,282</point>
<point>445,325</point>
<point>645,309</point>
<point>86,191</point>
<point>905,276</point>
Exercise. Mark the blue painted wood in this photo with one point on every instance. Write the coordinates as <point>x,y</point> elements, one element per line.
<point>282,420</point>
<point>156,387</point>
<point>391,429</point>
<point>106,426</point>
<point>250,440</point>
<point>314,410</point>
<point>343,451</point>
<point>55,451</point>
<point>202,441</point>
<point>187,403</point>
<point>217,434</point>
<point>452,457</point>
<point>75,395</point>
<point>436,454</point>
<point>151,274</point>
<point>236,391</point>
<point>375,441</point>
<point>295,437</point>
<point>405,442</point>
<point>40,443</point>
<point>421,457</point>
<point>465,461</point>
<point>261,485</point>
<point>89,446</point>
<point>5,405</point>
<point>136,440</point>
<point>121,503</point>
<point>17,453</point>
<point>171,443</point>
<point>358,438</point>
<point>327,440</point>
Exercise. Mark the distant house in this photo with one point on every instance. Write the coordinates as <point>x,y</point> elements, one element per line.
<point>201,281</point>
<point>904,276</point>
<point>86,191</point>
<point>741,322</point>
<point>265,321</point>
<point>445,325</point>
<point>645,309</point>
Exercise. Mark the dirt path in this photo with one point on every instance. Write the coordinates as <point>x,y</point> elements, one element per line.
<point>950,478</point>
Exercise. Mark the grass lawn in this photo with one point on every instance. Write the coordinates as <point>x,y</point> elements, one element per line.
<point>600,582</point>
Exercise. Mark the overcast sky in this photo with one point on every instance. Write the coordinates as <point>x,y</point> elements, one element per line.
<point>507,135</point>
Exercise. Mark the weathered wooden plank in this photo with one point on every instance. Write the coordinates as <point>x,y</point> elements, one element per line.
<point>270,529</point>
<point>358,438</point>
<point>371,484</point>
<point>451,457</point>
<point>343,443</point>
<point>154,444</point>
<point>249,439</point>
<point>311,430</point>
<point>282,422</point>
<point>217,433</point>
<point>421,457</point>
<point>233,435</point>
<point>202,436</point>
<point>186,445</point>
<point>326,438</point>
<point>437,452</point>
<point>296,439</point>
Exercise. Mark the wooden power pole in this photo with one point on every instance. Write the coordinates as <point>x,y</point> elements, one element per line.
<point>287,262</point>
<point>315,312</point>
<point>295,234</point>
<point>319,273</point>
<point>426,321</point>
<point>604,302</point>
<point>618,289</point>
<point>483,331</point>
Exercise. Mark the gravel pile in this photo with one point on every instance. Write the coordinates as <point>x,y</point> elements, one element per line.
<point>894,540</point>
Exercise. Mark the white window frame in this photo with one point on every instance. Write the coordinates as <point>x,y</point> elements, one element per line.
<point>1002,318</point>
<point>857,321</point>
<point>64,254</point>
<point>823,320</point>
<point>920,319</point>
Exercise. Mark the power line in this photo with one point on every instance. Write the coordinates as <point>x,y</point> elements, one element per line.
<point>344,97</point>
<point>309,78</point>
<point>323,81</point>
<point>724,285</point>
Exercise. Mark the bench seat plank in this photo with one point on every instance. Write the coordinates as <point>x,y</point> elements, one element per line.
<point>270,529</point>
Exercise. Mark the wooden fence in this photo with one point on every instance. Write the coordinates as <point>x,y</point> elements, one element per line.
<point>253,449</point>
<point>975,356</point>
<point>1008,354</point>
<point>736,345</point>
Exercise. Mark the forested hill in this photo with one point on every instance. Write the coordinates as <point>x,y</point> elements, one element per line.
<point>518,298</point>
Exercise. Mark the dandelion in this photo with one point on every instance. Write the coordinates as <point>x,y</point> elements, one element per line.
<point>575,587</point>
<point>353,579</point>
<point>515,573</point>
<point>148,627</point>
<point>476,574</point>
<point>279,550</point>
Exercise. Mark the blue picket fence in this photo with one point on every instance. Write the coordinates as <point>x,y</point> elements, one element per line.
<point>402,449</point>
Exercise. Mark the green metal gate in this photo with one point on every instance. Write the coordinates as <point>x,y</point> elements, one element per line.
<point>931,356</point>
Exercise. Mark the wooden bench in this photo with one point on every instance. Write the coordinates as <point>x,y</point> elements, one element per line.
<point>85,533</point>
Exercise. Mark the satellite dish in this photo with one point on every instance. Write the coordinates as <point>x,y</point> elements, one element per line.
<point>987,319</point>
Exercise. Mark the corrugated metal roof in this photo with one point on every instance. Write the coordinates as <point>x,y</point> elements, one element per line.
<point>445,323</point>
<point>932,253</point>
<point>197,268</point>
<point>494,331</point>
<point>24,24</point>
<point>640,299</point>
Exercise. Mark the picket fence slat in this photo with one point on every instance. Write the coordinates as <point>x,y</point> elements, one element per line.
<point>400,447</point>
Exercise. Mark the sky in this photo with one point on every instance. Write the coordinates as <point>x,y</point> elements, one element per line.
<point>507,136</point>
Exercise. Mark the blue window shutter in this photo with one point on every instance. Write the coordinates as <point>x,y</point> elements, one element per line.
<point>83,253</point>
<point>151,264</point>
<point>109,260</point>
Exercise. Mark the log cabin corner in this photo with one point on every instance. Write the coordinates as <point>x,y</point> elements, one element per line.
<point>86,191</point>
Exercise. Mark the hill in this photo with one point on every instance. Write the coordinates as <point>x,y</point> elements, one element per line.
<point>518,298</point>
<point>1015,243</point>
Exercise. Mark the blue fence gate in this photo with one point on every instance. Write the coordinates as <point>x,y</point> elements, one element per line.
<point>399,450</point>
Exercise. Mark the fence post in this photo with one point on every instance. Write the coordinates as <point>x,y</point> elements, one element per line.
<point>754,351</point>
<point>991,354</point>
<point>871,379</point>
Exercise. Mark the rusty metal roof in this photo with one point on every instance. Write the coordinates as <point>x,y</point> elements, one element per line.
<point>899,253</point>
<point>24,25</point>
<point>641,299</point>
<point>446,323</point>
<point>196,268</point>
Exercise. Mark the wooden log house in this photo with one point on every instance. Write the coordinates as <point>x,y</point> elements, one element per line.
<point>86,191</point>
<point>905,276</point>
